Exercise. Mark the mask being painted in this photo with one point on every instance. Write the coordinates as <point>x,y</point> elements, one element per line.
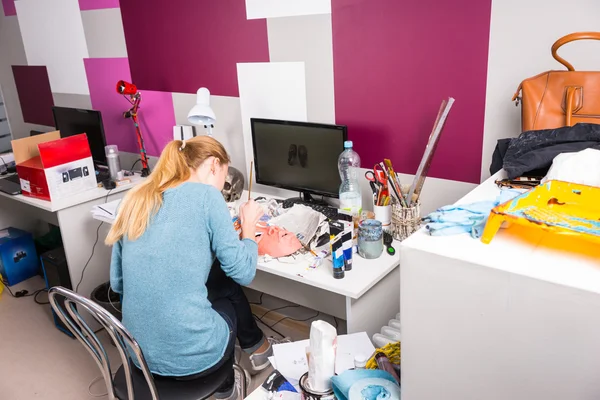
<point>277,242</point>
<point>234,185</point>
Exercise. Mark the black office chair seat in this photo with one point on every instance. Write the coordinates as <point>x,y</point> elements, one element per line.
<point>169,388</point>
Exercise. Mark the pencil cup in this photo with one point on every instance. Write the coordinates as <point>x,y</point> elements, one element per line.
<point>405,220</point>
<point>383,214</point>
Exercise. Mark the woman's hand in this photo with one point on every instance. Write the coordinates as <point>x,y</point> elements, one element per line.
<point>250,213</point>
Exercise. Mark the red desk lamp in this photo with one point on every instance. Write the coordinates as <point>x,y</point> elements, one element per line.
<point>135,98</point>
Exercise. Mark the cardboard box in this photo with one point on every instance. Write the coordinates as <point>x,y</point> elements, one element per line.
<point>18,258</point>
<point>51,168</point>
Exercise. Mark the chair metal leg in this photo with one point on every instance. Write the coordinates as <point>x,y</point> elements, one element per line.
<point>242,373</point>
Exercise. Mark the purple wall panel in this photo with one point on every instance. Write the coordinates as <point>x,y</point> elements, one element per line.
<point>394,62</point>
<point>85,5</point>
<point>35,94</point>
<point>181,45</point>
<point>156,115</point>
<point>9,7</point>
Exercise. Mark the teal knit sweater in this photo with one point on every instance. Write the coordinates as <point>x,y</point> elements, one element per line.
<point>162,277</point>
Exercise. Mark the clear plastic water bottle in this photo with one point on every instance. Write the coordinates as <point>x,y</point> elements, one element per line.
<point>349,167</point>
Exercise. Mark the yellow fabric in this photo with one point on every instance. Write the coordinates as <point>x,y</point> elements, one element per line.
<point>1,288</point>
<point>391,350</point>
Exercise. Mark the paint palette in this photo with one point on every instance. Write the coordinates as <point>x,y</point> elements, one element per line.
<point>556,206</point>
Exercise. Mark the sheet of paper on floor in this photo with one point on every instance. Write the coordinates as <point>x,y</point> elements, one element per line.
<point>273,362</point>
<point>106,210</point>
<point>290,358</point>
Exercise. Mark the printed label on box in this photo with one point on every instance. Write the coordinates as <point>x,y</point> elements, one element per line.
<point>72,178</point>
<point>25,185</point>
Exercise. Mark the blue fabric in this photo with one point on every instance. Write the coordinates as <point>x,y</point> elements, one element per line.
<point>343,382</point>
<point>465,218</point>
<point>162,277</point>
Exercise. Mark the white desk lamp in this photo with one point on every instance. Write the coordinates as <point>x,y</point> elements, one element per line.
<point>201,113</point>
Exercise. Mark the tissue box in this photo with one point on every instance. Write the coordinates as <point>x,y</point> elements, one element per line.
<point>18,258</point>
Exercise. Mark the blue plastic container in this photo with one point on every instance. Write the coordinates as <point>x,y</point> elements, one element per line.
<point>18,258</point>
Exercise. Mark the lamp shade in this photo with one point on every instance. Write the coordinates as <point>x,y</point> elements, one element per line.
<point>201,113</point>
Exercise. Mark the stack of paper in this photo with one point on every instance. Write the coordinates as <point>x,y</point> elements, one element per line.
<point>106,212</point>
<point>290,358</point>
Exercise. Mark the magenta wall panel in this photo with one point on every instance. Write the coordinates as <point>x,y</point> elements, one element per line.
<point>85,5</point>
<point>181,45</point>
<point>156,114</point>
<point>35,94</point>
<point>9,7</point>
<point>394,62</point>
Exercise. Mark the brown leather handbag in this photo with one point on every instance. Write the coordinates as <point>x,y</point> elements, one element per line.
<point>554,99</point>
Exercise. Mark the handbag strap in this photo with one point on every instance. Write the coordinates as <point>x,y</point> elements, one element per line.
<point>571,38</point>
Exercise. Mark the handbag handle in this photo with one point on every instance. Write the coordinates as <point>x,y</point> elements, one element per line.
<point>571,38</point>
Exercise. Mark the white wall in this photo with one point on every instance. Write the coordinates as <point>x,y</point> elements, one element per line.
<point>522,33</point>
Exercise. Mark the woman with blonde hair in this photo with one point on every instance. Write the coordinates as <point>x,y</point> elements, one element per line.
<point>179,263</point>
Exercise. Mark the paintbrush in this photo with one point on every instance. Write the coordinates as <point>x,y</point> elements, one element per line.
<point>250,184</point>
<point>393,184</point>
<point>396,180</point>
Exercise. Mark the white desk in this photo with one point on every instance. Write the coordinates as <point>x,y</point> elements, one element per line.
<point>516,319</point>
<point>367,298</point>
<point>78,228</point>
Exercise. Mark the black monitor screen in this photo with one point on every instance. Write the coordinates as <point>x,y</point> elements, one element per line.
<point>73,121</point>
<point>298,156</point>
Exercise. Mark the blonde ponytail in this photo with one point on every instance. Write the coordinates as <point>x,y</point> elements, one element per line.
<point>173,168</point>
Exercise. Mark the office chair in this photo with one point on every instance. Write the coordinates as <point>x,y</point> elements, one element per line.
<point>130,382</point>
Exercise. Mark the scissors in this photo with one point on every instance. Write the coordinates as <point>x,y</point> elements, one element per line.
<point>377,179</point>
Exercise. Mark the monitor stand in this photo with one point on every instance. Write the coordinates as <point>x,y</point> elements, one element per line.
<point>307,198</point>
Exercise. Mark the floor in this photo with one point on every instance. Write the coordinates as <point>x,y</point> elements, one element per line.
<point>37,361</point>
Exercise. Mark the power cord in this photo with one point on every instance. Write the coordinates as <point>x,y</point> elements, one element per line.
<point>25,293</point>
<point>93,247</point>
<point>295,319</point>
<point>260,300</point>
<point>134,164</point>
<point>93,382</point>
<point>273,329</point>
<point>110,301</point>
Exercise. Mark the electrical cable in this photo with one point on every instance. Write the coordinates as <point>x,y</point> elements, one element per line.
<point>260,300</point>
<point>42,303</point>
<point>134,164</point>
<point>110,301</point>
<point>93,382</point>
<point>24,293</point>
<point>294,319</point>
<point>273,329</point>
<point>93,247</point>
<point>277,309</point>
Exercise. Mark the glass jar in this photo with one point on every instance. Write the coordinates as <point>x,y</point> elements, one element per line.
<point>370,239</point>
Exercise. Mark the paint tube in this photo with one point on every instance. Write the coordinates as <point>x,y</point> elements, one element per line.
<point>347,240</point>
<point>336,232</point>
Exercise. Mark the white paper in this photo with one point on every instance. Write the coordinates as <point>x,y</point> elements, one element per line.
<point>273,362</point>
<point>258,9</point>
<point>291,357</point>
<point>106,211</point>
<point>270,90</point>
<point>25,185</point>
<point>53,36</point>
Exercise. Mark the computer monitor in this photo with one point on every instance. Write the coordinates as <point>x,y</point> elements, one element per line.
<point>298,156</point>
<point>73,121</point>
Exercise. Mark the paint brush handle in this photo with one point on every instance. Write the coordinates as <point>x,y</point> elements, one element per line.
<point>250,182</point>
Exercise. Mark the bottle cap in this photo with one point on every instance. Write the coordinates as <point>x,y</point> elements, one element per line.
<point>360,360</point>
<point>348,144</point>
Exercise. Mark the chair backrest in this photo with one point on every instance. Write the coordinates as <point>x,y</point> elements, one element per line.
<point>69,313</point>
